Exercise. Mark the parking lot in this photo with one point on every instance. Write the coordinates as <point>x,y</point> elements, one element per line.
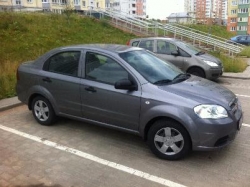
<point>72,154</point>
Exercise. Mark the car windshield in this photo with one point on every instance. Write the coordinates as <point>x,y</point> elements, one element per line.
<point>153,69</point>
<point>189,48</point>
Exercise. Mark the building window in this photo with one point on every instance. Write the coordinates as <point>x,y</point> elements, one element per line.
<point>55,2</point>
<point>97,5</point>
<point>44,1</point>
<point>18,2</point>
<point>233,20</point>
<point>76,2</point>
<point>233,29</point>
<point>233,11</point>
<point>241,28</point>
<point>245,19</point>
<point>244,2</point>
<point>243,10</point>
<point>83,3</point>
<point>29,1</point>
<point>234,3</point>
<point>63,2</point>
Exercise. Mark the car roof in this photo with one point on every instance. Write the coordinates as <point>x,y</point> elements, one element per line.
<point>154,38</point>
<point>115,48</point>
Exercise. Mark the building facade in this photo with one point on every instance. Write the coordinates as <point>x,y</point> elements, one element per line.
<point>239,16</point>
<point>56,6</point>
<point>129,7</point>
<point>207,11</point>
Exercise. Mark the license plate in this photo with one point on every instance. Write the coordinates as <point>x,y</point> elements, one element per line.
<point>240,123</point>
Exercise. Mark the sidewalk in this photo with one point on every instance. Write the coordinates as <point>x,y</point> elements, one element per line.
<point>243,75</point>
<point>13,102</point>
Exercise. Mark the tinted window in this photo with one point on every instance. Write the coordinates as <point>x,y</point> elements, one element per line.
<point>183,53</point>
<point>149,66</point>
<point>164,47</point>
<point>103,69</point>
<point>64,63</point>
<point>147,44</point>
<point>135,43</point>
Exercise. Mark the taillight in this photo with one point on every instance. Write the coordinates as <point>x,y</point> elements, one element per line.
<point>128,42</point>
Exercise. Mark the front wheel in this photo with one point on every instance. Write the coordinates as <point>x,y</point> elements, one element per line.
<point>197,71</point>
<point>168,140</point>
<point>43,111</point>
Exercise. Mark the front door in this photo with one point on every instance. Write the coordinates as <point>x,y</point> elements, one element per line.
<point>101,101</point>
<point>164,50</point>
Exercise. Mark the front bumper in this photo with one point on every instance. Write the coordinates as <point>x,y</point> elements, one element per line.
<point>215,134</point>
<point>214,73</point>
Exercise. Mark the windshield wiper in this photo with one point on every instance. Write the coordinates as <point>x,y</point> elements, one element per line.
<point>163,81</point>
<point>200,53</point>
<point>181,76</point>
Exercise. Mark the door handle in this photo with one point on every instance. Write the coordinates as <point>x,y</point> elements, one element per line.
<point>47,79</point>
<point>90,89</point>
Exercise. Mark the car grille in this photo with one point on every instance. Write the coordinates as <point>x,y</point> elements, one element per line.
<point>234,105</point>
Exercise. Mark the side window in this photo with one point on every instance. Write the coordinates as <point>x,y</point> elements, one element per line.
<point>147,44</point>
<point>243,38</point>
<point>135,43</point>
<point>183,53</point>
<point>164,47</point>
<point>103,69</point>
<point>64,63</point>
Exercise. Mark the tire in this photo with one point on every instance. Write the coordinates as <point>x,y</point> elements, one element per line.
<point>197,71</point>
<point>161,140</point>
<point>43,111</point>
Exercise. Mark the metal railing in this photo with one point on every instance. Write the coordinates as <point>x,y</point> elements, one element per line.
<point>153,28</point>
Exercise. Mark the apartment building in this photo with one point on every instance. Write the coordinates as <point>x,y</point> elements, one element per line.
<point>207,11</point>
<point>239,16</point>
<point>130,7</point>
<point>56,6</point>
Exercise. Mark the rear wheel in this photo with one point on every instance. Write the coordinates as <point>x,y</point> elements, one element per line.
<point>167,139</point>
<point>197,71</point>
<point>43,111</point>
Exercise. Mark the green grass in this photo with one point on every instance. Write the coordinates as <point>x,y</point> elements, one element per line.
<point>25,36</point>
<point>216,30</point>
<point>230,64</point>
<point>245,52</point>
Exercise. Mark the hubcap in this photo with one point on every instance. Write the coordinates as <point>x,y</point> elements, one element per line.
<point>169,141</point>
<point>41,110</point>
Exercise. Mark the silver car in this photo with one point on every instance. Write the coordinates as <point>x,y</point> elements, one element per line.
<point>185,56</point>
<point>130,89</point>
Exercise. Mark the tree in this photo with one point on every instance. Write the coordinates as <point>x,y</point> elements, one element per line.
<point>69,10</point>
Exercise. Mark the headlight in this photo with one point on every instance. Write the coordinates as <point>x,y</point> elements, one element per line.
<point>210,111</point>
<point>210,63</point>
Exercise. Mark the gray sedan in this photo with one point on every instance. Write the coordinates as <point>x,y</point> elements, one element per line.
<point>130,89</point>
<point>182,55</point>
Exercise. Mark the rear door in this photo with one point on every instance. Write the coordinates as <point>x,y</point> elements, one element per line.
<point>60,79</point>
<point>100,100</point>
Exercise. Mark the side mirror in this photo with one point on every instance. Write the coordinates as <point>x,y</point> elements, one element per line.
<point>175,53</point>
<point>125,84</point>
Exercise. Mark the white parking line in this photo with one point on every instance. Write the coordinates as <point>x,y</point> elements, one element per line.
<point>242,95</point>
<point>114,165</point>
<point>246,125</point>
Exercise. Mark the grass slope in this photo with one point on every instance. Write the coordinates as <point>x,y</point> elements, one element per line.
<point>26,36</point>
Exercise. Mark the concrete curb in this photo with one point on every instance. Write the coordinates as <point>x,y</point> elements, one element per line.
<point>9,103</point>
<point>235,77</point>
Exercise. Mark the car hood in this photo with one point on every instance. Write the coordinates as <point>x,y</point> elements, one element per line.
<point>202,91</point>
<point>210,58</point>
